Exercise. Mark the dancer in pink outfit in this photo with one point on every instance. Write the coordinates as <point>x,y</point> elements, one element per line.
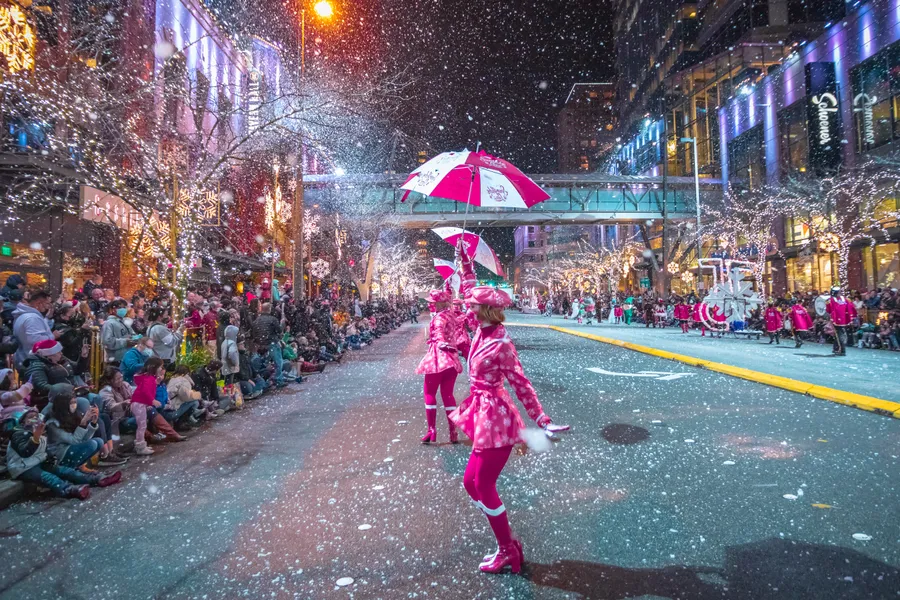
<point>489,417</point>
<point>441,364</point>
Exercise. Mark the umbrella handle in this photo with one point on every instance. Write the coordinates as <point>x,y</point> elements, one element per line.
<point>468,201</point>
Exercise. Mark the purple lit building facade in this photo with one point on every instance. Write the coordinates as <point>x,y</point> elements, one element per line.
<point>767,133</point>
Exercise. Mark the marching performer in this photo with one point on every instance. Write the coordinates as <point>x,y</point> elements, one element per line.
<point>801,322</point>
<point>683,315</point>
<point>441,364</point>
<point>774,322</point>
<point>589,309</point>
<point>842,313</point>
<point>489,417</point>
<point>659,314</point>
<point>463,341</point>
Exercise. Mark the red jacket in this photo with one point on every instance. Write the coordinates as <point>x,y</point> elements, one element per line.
<point>841,311</point>
<point>800,319</point>
<point>774,322</point>
<point>145,392</point>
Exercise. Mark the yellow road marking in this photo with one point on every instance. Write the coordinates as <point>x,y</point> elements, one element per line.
<point>876,405</point>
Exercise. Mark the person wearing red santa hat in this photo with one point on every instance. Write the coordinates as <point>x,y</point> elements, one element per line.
<point>441,363</point>
<point>774,322</point>
<point>489,417</point>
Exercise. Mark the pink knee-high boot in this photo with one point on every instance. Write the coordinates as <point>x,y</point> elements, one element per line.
<point>480,481</point>
<point>447,384</point>
<point>432,381</point>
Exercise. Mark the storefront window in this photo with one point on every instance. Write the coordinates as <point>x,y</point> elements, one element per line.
<point>887,265</point>
<point>747,163</point>
<point>794,140</point>
<point>811,273</point>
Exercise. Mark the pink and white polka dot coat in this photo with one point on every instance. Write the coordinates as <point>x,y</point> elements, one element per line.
<point>442,339</point>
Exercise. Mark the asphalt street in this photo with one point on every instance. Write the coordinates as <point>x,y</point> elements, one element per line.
<point>673,483</point>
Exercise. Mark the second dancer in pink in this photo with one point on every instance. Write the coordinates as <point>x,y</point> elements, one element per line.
<point>441,364</point>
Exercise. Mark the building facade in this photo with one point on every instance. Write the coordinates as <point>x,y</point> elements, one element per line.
<point>775,130</point>
<point>206,90</point>
<point>585,127</point>
<point>743,97</point>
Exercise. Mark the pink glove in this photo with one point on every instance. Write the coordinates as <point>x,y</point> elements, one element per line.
<point>543,421</point>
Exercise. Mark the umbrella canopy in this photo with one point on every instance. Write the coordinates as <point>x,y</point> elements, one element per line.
<point>445,268</point>
<point>476,248</point>
<point>476,178</point>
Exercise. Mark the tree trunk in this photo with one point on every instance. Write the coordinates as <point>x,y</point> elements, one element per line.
<point>370,269</point>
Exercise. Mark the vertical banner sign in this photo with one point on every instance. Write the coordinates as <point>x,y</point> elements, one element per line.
<point>823,114</point>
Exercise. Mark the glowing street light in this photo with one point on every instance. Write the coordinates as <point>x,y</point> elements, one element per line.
<point>324,9</point>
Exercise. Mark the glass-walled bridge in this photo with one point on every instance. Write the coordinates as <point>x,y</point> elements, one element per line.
<point>574,199</point>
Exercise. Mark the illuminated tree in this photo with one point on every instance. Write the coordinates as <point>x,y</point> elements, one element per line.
<point>174,148</point>
<point>743,226</point>
<point>856,203</point>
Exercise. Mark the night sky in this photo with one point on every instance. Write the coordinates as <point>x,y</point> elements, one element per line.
<point>483,70</point>
<point>495,71</point>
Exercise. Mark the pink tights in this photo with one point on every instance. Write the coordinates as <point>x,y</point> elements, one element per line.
<point>445,380</point>
<point>480,481</point>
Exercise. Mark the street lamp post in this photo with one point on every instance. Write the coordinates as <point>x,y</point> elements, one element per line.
<point>324,10</point>
<point>693,141</point>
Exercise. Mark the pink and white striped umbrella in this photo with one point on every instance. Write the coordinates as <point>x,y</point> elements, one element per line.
<point>445,268</point>
<point>476,178</point>
<point>476,248</point>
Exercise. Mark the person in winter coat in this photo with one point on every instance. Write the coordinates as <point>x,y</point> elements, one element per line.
<point>774,322</point>
<point>266,332</point>
<point>115,394</point>
<point>144,397</point>
<point>115,335</point>
<point>165,341</point>
<point>440,365</point>
<point>44,367</point>
<point>229,355</point>
<point>135,358</point>
<point>14,282</point>
<point>12,401</point>
<point>183,400</point>
<point>801,322</point>
<point>489,417</point>
<point>31,326</point>
<point>70,438</point>
<point>205,382</point>
<point>27,459</point>
<point>842,312</point>
<point>252,384</point>
<point>73,337</point>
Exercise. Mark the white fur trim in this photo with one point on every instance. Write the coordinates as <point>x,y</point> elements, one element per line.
<point>493,512</point>
<point>431,407</point>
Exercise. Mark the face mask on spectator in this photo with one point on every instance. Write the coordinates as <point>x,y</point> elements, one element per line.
<point>121,312</point>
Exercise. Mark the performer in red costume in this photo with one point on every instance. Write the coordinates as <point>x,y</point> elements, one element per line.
<point>774,322</point>
<point>441,363</point>
<point>801,322</point>
<point>489,417</point>
<point>683,315</point>
<point>842,313</point>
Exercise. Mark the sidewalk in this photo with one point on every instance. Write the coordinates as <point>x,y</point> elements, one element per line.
<point>866,372</point>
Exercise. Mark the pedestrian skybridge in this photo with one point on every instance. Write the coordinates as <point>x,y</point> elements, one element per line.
<point>574,199</point>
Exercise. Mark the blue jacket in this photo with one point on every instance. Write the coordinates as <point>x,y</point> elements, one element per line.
<point>131,364</point>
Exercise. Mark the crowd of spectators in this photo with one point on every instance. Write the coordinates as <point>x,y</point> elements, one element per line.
<point>79,376</point>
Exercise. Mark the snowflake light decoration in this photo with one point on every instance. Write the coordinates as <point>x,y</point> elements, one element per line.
<point>311,225</point>
<point>319,268</point>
